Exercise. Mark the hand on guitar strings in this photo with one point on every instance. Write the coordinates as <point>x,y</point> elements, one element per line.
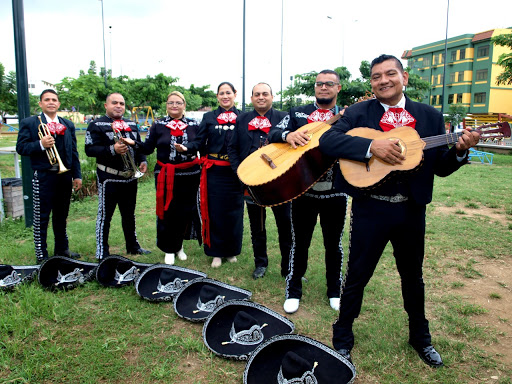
<point>297,138</point>
<point>180,147</point>
<point>468,139</point>
<point>387,150</point>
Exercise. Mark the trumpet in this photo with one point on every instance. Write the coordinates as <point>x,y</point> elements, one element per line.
<point>128,161</point>
<point>52,153</point>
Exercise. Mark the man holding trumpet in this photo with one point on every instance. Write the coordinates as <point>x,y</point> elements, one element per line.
<point>50,142</point>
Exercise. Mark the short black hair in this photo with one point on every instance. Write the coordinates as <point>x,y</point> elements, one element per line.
<point>228,84</point>
<point>112,93</point>
<point>383,58</point>
<point>330,72</point>
<point>49,90</point>
<point>263,84</point>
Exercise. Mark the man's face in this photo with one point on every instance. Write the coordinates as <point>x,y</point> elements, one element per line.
<point>114,106</point>
<point>325,94</point>
<point>262,98</point>
<point>49,103</point>
<point>387,81</point>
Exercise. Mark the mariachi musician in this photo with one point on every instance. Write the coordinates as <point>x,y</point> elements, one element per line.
<point>320,200</point>
<point>117,173</point>
<point>50,142</point>
<point>251,130</point>
<point>176,178</point>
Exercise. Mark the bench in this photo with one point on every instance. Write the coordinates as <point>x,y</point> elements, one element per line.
<point>483,157</point>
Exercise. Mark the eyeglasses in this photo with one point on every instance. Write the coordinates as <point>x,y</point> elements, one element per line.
<point>176,103</point>
<point>328,84</point>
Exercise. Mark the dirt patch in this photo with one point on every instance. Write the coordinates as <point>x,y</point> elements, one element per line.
<point>494,215</point>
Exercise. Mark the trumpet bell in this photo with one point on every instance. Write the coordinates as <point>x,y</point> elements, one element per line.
<point>138,174</point>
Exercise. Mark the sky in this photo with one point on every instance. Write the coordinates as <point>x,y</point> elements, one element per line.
<point>201,41</point>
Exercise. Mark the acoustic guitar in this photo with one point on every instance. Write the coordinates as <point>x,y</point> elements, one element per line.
<point>277,173</point>
<point>368,175</point>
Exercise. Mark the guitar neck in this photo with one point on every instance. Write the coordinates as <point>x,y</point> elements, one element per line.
<point>439,140</point>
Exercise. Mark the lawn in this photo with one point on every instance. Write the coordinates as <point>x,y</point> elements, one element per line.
<point>98,335</point>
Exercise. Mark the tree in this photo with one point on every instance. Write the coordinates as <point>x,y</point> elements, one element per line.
<point>9,95</point>
<point>416,87</point>
<point>455,115</point>
<point>505,59</point>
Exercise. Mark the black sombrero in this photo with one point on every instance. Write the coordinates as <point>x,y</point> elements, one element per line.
<point>13,275</point>
<point>60,272</point>
<point>118,271</point>
<point>162,282</point>
<point>236,328</point>
<point>297,359</point>
<point>199,298</point>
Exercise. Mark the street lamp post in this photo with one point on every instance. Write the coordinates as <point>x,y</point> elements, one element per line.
<point>104,54</point>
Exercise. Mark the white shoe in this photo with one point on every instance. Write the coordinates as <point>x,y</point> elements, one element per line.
<point>182,255</point>
<point>291,305</point>
<point>335,303</point>
<point>216,262</point>
<point>169,258</point>
<point>232,259</point>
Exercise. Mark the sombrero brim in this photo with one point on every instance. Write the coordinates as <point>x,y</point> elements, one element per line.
<point>218,325</point>
<point>109,275</point>
<point>60,272</point>
<point>185,303</point>
<point>265,362</point>
<point>147,283</point>
<point>23,274</point>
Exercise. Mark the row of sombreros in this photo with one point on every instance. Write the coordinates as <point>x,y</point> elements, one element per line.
<point>234,327</point>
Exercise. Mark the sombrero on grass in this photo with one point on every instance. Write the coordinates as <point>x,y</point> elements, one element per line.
<point>297,359</point>
<point>198,299</point>
<point>162,282</point>
<point>13,275</point>
<point>60,272</point>
<point>236,328</point>
<point>118,271</point>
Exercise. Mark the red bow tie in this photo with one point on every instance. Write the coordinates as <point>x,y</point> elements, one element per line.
<point>261,123</point>
<point>177,127</point>
<point>320,115</point>
<point>56,128</point>
<point>396,117</point>
<point>226,117</point>
<point>120,126</point>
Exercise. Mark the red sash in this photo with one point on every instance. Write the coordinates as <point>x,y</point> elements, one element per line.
<point>165,184</point>
<point>205,218</point>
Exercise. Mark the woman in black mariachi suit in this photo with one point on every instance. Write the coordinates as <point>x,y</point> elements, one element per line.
<point>176,177</point>
<point>221,192</point>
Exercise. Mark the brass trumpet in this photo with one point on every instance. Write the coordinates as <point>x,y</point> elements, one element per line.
<point>128,161</point>
<point>52,153</point>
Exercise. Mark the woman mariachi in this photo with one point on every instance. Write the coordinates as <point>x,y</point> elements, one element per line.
<point>220,190</point>
<point>176,178</point>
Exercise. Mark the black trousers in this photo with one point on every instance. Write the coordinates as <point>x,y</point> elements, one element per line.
<point>373,224</point>
<point>257,218</point>
<point>115,191</point>
<point>51,194</point>
<point>178,219</point>
<point>304,212</point>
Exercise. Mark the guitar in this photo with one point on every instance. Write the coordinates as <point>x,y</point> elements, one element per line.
<point>277,173</point>
<point>367,175</point>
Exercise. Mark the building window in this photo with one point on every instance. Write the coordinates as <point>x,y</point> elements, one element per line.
<point>426,61</point>
<point>483,51</point>
<point>462,54</point>
<point>452,77</point>
<point>459,98</point>
<point>450,98</point>
<point>481,74</point>
<point>441,61</point>
<point>433,59</point>
<point>441,78</point>
<point>453,56</point>
<point>461,76</point>
<point>480,98</point>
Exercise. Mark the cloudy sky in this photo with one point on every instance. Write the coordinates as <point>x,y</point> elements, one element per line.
<point>200,41</point>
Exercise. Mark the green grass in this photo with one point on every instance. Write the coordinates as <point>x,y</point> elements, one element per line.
<point>97,335</point>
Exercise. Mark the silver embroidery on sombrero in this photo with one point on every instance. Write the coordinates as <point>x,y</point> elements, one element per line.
<point>70,277</point>
<point>171,287</point>
<point>209,306</point>
<point>10,280</point>
<point>307,377</point>
<point>251,336</point>
<point>129,275</point>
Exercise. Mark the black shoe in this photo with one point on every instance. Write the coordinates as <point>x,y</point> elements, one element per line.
<point>259,272</point>
<point>430,356</point>
<point>140,251</point>
<point>40,260</point>
<point>346,354</point>
<point>68,253</point>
